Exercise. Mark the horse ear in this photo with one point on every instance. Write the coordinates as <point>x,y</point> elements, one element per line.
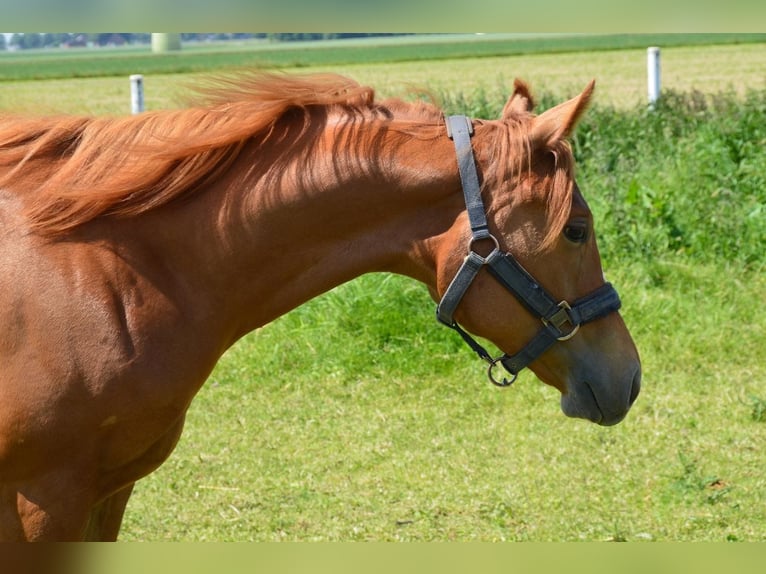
<point>521,101</point>
<point>559,122</point>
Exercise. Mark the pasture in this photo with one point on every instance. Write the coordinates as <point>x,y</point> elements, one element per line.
<point>357,417</point>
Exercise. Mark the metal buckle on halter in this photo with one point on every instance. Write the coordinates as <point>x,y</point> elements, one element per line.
<point>559,319</point>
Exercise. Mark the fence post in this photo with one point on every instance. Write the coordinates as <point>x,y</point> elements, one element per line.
<point>136,93</point>
<point>653,74</point>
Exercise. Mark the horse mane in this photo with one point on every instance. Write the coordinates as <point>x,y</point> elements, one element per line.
<point>81,168</point>
<point>73,169</point>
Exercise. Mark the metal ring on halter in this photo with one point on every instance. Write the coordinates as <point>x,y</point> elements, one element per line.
<point>569,335</point>
<point>503,382</point>
<point>490,237</point>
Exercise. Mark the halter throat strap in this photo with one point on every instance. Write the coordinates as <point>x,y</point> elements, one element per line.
<point>560,321</point>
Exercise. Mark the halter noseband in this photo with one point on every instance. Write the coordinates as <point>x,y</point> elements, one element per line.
<point>560,320</point>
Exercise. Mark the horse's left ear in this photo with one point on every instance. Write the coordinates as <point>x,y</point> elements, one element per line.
<point>521,101</point>
<point>558,123</point>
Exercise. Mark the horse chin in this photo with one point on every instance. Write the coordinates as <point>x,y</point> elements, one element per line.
<point>581,402</point>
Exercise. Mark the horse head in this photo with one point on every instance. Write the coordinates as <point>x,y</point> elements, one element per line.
<point>532,282</point>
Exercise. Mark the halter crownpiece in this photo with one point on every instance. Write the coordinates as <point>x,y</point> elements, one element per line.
<point>561,320</point>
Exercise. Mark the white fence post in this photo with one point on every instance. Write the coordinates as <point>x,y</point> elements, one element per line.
<point>136,93</point>
<point>653,74</point>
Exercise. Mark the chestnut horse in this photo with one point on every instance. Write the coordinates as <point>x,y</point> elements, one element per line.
<point>134,251</point>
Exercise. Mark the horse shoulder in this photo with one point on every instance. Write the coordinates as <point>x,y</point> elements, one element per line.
<point>93,350</point>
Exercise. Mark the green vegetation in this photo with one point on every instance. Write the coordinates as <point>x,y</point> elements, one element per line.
<point>79,63</point>
<point>326,425</point>
<point>358,417</point>
<point>689,178</point>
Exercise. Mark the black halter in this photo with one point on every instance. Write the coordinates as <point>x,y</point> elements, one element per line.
<point>560,320</point>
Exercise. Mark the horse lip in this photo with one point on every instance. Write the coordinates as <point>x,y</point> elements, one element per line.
<point>583,403</point>
<point>580,402</point>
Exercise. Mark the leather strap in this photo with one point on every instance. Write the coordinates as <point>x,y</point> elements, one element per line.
<point>460,130</point>
<point>457,288</point>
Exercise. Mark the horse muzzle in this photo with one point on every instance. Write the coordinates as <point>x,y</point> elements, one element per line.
<point>604,402</point>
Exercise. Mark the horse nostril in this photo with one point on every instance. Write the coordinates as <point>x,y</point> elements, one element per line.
<point>636,386</point>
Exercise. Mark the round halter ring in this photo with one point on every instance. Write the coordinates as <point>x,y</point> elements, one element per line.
<point>569,335</point>
<point>489,237</point>
<point>503,382</point>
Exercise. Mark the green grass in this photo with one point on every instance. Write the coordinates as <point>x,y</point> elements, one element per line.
<point>325,431</point>
<point>358,417</point>
<point>78,63</point>
<point>620,78</point>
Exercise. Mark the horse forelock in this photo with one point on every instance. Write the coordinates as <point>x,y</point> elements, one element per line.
<point>560,195</point>
<point>75,169</point>
<point>512,159</point>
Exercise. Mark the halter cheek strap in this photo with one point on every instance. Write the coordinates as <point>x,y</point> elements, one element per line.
<point>560,321</point>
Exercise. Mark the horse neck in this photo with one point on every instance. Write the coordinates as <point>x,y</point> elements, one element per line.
<point>272,242</point>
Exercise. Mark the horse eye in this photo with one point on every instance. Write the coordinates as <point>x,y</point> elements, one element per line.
<point>576,232</point>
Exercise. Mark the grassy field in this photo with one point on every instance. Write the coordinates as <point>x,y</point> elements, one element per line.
<point>620,75</point>
<point>328,425</point>
<point>205,57</point>
<point>357,417</point>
